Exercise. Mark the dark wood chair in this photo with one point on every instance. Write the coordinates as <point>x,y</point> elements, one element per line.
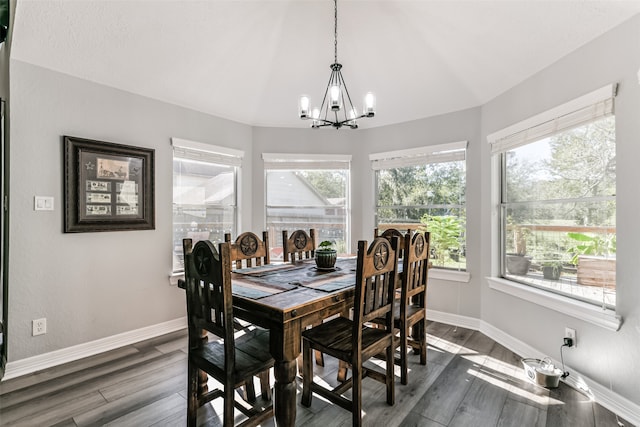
<point>248,250</point>
<point>411,315</point>
<point>352,341</point>
<point>410,312</point>
<point>300,245</point>
<point>232,362</point>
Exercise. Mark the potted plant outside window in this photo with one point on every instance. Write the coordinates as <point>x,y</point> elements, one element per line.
<point>517,262</point>
<point>551,270</point>
<point>326,255</point>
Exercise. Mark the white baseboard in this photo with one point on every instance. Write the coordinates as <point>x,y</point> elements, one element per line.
<point>58,357</point>
<point>604,396</point>
<point>454,319</point>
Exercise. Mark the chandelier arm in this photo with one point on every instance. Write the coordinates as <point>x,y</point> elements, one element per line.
<point>344,86</point>
<point>326,92</point>
<point>343,122</point>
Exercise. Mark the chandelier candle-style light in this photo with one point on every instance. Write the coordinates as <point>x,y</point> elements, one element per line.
<point>336,110</point>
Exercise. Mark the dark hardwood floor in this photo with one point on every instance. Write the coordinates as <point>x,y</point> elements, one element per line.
<point>469,380</point>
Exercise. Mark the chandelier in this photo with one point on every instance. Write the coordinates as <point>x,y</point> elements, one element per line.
<point>336,110</point>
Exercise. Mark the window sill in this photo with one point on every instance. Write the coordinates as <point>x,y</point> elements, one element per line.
<point>607,319</point>
<point>452,276</point>
<point>174,277</point>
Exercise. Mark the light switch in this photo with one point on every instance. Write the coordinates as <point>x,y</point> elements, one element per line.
<point>43,203</point>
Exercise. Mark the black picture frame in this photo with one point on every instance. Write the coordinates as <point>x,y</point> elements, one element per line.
<point>107,186</point>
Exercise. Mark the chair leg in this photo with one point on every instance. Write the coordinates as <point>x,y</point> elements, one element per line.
<point>307,374</point>
<point>422,327</point>
<point>356,393</point>
<point>265,386</point>
<point>343,368</point>
<point>403,354</point>
<point>319,358</point>
<point>390,376</point>
<point>192,395</point>
<point>229,401</point>
<point>250,391</point>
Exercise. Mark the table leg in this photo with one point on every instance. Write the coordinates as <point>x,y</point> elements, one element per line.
<point>285,392</point>
<point>285,348</point>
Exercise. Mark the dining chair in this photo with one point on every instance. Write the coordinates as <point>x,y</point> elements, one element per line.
<point>411,315</point>
<point>232,361</point>
<point>248,250</point>
<point>410,311</point>
<point>300,245</point>
<point>352,341</point>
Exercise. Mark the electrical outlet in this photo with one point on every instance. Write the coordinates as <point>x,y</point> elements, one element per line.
<point>571,333</point>
<point>39,326</point>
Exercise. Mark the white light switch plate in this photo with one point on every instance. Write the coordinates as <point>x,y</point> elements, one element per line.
<point>42,203</point>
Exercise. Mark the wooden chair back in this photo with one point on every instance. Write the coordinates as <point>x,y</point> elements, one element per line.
<point>209,298</point>
<point>415,270</point>
<point>376,275</point>
<point>300,245</point>
<point>390,233</point>
<point>248,250</point>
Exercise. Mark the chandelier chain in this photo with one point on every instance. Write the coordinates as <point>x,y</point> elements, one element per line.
<point>335,31</point>
<point>337,109</point>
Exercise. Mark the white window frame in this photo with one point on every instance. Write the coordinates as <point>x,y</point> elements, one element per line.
<point>293,161</point>
<point>585,109</point>
<point>438,153</point>
<point>210,153</point>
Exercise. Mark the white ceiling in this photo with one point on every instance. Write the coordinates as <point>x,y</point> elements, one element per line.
<point>249,61</point>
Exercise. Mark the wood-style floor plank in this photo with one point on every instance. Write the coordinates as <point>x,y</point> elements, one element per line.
<point>518,414</point>
<point>469,380</point>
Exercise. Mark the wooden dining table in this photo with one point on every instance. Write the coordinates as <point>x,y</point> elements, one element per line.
<point>286,298</point>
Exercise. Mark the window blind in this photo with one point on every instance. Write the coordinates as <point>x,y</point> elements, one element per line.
<point>199,151</point>
<point>440,153</point>
<point>288,161</point>
<point>587,108</point>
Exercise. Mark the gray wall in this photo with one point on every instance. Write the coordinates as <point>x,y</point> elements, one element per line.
<point>93,285</point>
<point>601,354</point>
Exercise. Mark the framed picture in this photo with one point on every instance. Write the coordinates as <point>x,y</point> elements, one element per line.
<point>107,186</point>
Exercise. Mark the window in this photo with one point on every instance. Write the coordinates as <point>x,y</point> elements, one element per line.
<point>424,188</point>
<point>558,200</point>
<point>204,193</point>
<point>307,191</point>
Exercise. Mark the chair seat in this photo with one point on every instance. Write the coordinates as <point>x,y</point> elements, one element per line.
<point>334,338</point>
<point>251,357</point>
<point>412,311</point>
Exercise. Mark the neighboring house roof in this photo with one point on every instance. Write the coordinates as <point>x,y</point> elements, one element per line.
<point>287,188</point>
<point>195,190</point>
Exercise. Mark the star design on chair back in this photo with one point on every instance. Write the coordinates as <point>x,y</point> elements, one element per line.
<point>419,245</point>
<point>381,255</point>
<point>299,240</point>
<point>248,245</point>
<point>202,260</point>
